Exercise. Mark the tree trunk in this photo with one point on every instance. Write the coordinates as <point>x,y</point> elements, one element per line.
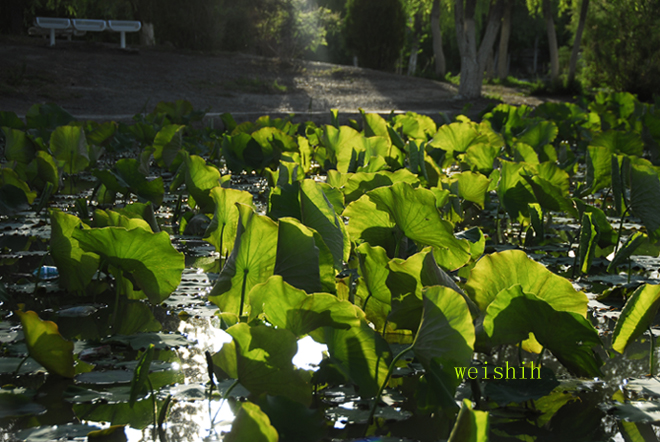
<point>417,33</point>
<point>473,63</point>
<point>439,55</point>
<point>576,43</point>
<point>552,41</point>
<point>503,65</point>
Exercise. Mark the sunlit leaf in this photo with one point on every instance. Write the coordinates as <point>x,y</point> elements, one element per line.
<point>76,266</point>
<point>251,424</point>
<point>46,345</point>
<point>263,362</point>
<point>445,340</point>
<point>514,314</point>
<point>471,425</point>
<point>224,225</point>
<point>251,262</point>
<point>636,316</point>
<point>148,258</point>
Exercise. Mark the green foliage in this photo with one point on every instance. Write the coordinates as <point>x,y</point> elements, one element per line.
<point>375,31</point>
<point>621,46</point>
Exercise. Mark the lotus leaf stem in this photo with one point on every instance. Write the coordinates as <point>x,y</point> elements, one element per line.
<point>382,386</point>
<point>651,361</point>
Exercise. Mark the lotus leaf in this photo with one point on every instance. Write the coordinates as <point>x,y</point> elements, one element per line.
<point>303,260</point>
<point>344,146</point>
<point>636,316</point>
<point>149,258</point>
<point>514,314</point>
<point>69,147</point>
<point>75,265</point>
<point>222,230</point>
<point>46,345</point>
<point>167,143</point>
<point>413,211</point>
<point>260,357</point>
<point>287,307</point>
<point>445,340</point>
<point>471,425</point>
<point>318,213</point>
<point>251,262</point>
<point>251,424</point>
<point>499,271</point>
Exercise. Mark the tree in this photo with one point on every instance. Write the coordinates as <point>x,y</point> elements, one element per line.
<point>436,32</point>
<point>572,66</point>
<point>473,62</point>
<point>552,41</point>
<point>375,30</point>
<point>503,57</point>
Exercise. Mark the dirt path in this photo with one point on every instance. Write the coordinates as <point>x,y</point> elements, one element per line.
<point>95,80</point>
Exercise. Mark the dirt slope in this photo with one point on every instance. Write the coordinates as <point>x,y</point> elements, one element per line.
<point>95,80</point>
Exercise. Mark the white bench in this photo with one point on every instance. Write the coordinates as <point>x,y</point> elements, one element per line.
<point>52,24</point>
<point>81,24</point>
<point>124,26</point>
<point>78,26</point>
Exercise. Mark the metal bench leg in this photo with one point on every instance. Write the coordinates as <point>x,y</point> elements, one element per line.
<point>123,39</point>
<point>52,36</point>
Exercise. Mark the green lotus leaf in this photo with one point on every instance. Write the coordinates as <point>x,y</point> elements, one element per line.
<point>616,141</point>
<point>607,236</point>
<point>46,345</point>
<point>292,420</point>
<point>368,224</point>
<point>636,316</point>
<point>645,194</point>
<point>167,143</point>
<point>287,307</point>
<point>588,240</point>
<point>75,266</point>
<point>550,185</point>
<point>375,296</point>
<point>18,146</point>
<point>471,425</point>
<point>480,157</point>
<point>415,214</point>
<point>11,120</point>
<point>110,218</point>
<point>9,177</point>
<point>445,340</point>
<point>144,211</point>
<point>69,147</point>
<point>262,357</point>
<point>344,145</point>
<point>405,282</point>
<point>457,137</point>
<point>303,260</point>
<point>499,271</point>
<point>414,125</point>
<point>140,379</point>
<point>318,213</point>
<point>599,168</point>
<point>12,200</point>
<point>267,136</point>
<point>45,171</point>
<point>18,403</point>
<point>360,354</point>
<point>514,314</point>
<point>251,424</point>
<point>200,179</point>
<point>222,230</point>
<point>524,153</point>
<point>473,187</point>
<point>538,135</point>
<point>632,243</point>
<point>128,169</point>
<point>360,183</point>
<point>374,125</point>
<point>251,262</point>
<point>514,191</point>
<point>146,258</point>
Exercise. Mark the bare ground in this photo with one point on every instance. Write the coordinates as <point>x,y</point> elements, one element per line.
<point>100,81</point>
